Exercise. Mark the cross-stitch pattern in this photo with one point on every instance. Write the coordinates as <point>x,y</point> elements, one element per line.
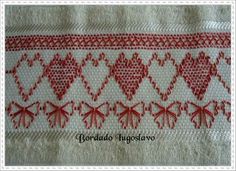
<point>128,72</point>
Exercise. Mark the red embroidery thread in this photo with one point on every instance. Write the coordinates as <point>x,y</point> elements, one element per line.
<point>129,116</point>
<point>24,93</point>
<point>226,108</point>
<point>128,73</point>
<point>119,41</point>
<point>23,115</point>
<point>197,73</point>
<point>164,115</point>
<point>205,115</point>
<point>161,63</point>
<point>94,116</point>
<point>58,115</point>
<point>217,74</point>
<point>61,73</point>
<point>95,63</point>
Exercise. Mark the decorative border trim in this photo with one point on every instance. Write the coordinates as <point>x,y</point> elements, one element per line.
<point>119,27</point>
<point>165,116</point>
<point>119,41</point>
<point>122,71</point>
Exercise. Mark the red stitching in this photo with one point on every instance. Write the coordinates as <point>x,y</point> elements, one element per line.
<point>119,41</point>
<point>95,63</point>
<point>165,115</point>
<point>61,73</point>
<point>128,73</point>
<point>197,73</point>
<point>94,116</point>
<point>128,116</point>
<point>24,93</point>
<point>217,74</point>
<point>23,116</point>
<point>205,115</point>
<point>59,115</point>
<point>226,112</point>
<point>161,63</point>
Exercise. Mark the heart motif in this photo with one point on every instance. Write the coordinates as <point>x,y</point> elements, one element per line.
<point>129,73</point>
<point>62,73</point>
<point>30,67</point>
<point>95,80</point>
<point>197,73</point>
<point>155,74</point>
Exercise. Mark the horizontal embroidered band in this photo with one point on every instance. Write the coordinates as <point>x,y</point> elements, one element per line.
<point>128,116</point>
<point>128,73</point>
<point>119,41</point>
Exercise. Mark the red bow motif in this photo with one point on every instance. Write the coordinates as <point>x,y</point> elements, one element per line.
<point>58,114</point>
<point>129,115</point>
<point>165,115</point>
<point>22,115</point>
<point>94,115</point>
<point>226,105</point>
<point>202,115</point>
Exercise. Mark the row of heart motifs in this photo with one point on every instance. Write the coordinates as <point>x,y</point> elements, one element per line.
<point>128,73</point>
<point>128,116</point>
